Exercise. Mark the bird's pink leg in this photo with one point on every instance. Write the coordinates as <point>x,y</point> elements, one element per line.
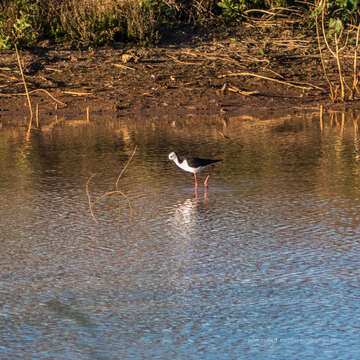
<point>195,181</point>
<point>206,181</point>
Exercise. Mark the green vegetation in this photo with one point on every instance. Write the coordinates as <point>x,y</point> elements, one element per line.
<point>19,23</point>
<point>337,25</point>
<point>94,22</point>
<point>81,22</point>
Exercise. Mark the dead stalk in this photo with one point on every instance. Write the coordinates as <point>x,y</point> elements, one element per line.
<point>26,89</point>
<point>51,96</point>
<point>37,116</point>
<point>110,193</point>
<point>356,78</point>
<point>124,67</point>
<point>116,192</point>
<point>321,119</point>
<point>322,59</point>
<point>335,53</point>
<point>272,79</point>
<point>77,93</point>
<point>124,168</point>
<point>242,92</point>
<point>338,63</point>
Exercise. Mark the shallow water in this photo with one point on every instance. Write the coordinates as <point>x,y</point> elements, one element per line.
<point>264,265</point>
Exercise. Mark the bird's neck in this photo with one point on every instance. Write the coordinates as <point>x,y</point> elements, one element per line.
<point>177,162</point>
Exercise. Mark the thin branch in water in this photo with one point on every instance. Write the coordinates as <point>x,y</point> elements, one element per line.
<point>110,193</point>
<point>114,192</point>
<point>125,167</point>
<point>89,198</point>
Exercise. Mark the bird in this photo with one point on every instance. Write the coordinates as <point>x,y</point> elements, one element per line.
<point>193,165</point>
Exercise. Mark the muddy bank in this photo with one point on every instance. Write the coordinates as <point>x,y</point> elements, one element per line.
<point>247,71</point>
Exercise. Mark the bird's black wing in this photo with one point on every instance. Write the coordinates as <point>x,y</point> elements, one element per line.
<point>197,162</point>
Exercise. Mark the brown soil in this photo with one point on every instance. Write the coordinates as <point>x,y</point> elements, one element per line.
<point>212,74</point>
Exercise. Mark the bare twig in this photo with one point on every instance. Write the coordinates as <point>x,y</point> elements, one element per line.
<point>272,14</point>
<point>341,79</point>
<point>242,92</point>
<point>124,168</point>
<point>321,118</point>
<point>89,198</point>
<point>272,79</point>
<point>114,192</point>
<point>78,93</point>
<point>356,77</point>
<point>323,28</point>
<point>335,51</point>
<point>26,89</point>
<point>37,115</point>
<point>110,193</point>
<point>38,90</point>
<point>123,67</point>
<point>322,60</point>
<point>51,96</point>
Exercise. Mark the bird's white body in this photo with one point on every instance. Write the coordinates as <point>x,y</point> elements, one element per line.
<point>193,165</point>
<point>182,165</point>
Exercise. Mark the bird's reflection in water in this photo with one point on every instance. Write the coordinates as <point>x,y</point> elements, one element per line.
<point>186,221</point>
<point>196,193</point>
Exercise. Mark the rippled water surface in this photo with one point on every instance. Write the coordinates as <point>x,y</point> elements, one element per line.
<point>264,265</point>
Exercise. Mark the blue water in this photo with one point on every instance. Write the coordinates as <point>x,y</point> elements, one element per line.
<point>264,265</point>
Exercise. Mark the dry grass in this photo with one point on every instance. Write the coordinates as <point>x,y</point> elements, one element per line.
<point>94,22</point>
<point>87,21</point>
<point>99,22</point>
<point>82,22</point>
<point>335,48</point>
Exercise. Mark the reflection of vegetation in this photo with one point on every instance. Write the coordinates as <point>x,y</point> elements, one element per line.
<point>338,170</point>
<point>251,149</point>
<point>323,153</point>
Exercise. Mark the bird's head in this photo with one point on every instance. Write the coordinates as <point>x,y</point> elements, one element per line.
<point>173,156</point>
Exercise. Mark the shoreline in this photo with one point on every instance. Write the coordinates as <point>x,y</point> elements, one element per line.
<point>215,77</point>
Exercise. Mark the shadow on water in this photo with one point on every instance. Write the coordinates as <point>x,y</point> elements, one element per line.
<point>263,264</point>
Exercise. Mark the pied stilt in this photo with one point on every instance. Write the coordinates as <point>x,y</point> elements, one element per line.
<point>193,165</point>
